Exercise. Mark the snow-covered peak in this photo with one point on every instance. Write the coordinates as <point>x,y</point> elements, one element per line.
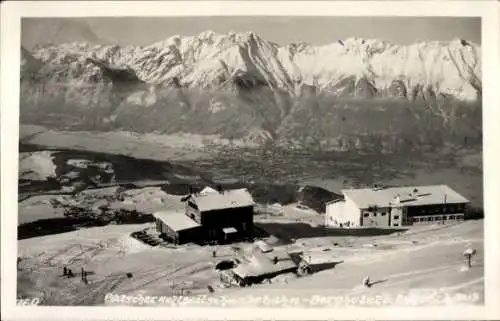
<point>211,59</point>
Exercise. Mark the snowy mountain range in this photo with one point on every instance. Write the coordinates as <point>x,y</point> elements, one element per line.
<point>354,66</point>
<point>241,83</point>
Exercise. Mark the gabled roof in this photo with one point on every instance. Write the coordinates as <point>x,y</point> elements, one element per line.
<point>177,221</point>
<point>208,190</point>
<point>408,196</point>
<point>235,198</point>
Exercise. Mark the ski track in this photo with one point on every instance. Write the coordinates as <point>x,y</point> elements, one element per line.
<point>463,285</point>
<point>178,269</point>
<point>168,273</point>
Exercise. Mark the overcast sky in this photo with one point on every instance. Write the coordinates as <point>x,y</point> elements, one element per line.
<point>314,30</point>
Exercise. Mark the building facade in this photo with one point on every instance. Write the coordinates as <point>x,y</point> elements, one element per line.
<point>177,228</point>
<point>396,207</point>
<point>214,215</point>
<point>223,215</point>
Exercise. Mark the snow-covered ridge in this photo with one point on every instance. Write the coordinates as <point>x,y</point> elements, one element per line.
<point>352,66</point>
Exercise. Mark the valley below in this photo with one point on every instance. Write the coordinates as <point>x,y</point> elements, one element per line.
<point>65,223</point>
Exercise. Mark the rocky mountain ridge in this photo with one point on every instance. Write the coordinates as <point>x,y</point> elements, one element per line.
<point>240,85</point>
<point>351,67</point>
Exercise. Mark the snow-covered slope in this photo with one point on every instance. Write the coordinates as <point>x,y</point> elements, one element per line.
<point>359,67</point>
<point>373,66</point>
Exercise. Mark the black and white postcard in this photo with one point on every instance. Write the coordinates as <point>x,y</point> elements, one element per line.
<point>283,160</point>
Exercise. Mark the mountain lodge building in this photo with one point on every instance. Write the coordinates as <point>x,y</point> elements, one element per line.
<point>396,206</point>
<point>211,215</point>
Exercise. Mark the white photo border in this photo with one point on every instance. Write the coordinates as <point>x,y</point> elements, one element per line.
<point>13,11</point>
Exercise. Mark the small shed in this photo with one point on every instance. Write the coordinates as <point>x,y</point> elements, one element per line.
<point>177,226</point>
<point>263,246</point>
<point>315,261</point>
<point>263,266</point>
<point>230,233</point>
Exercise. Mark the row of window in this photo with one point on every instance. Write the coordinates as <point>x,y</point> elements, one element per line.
<point>451,209</point>
<point>444,209</point>
<point>344,224</point>
<point>381,214</point>
<point>375,214</point>
<point>192,205</point>
<point>437,218</point>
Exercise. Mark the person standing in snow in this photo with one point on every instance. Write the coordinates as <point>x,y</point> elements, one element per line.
<point>468,253</point>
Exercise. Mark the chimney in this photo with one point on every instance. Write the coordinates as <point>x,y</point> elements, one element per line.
<point>219,189</point>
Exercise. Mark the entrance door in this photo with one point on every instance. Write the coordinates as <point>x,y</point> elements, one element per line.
<point>396,217</point>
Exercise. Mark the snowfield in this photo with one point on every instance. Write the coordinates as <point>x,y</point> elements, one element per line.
<point>37,208</point>
<point>36,166</point>
<point>433,262</point>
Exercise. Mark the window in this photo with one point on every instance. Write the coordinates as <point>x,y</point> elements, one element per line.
<point>431,218</point>
<point>192,205</point>
<point>396,217</point>
<point>366,214</point>
<point>383,213</point>
<point>395,224</point>
<point>452,217</point>
<point>374,214</point>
